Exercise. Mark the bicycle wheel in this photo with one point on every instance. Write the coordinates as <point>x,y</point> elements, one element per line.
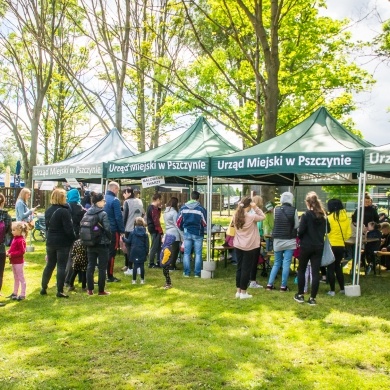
<point>37,235</point>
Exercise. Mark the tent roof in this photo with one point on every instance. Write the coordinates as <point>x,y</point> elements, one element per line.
<point>87,164</point>
<point>319,144</point>
<point>186,155</point>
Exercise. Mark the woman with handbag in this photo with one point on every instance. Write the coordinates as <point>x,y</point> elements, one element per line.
<point>59,240</point>
<point>311,232</point>
<point>340,230</point>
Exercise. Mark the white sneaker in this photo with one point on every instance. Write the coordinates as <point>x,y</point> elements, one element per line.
<point>128,272</point>
<point>254,284</point>
<point>245,296</point>
<point>331,293</point>
<point>142,281</point>
<point>133,282</point>
<point>237,295</point>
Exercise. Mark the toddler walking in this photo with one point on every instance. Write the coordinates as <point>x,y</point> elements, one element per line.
<point>16,258</point>
<point>166,258</point>
<point>138,248</point>
<point>79,258</point>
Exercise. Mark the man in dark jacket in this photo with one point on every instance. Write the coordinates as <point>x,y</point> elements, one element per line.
<point>114,213</point>
<point>153,214</point>
<point>192,220</point>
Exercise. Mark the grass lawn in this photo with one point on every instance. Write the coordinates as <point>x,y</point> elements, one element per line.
<point>194,336</point>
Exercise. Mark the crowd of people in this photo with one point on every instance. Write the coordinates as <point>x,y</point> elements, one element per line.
<point>84,235</point>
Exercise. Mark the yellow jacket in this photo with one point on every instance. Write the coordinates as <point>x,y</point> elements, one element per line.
<point>339,229</point>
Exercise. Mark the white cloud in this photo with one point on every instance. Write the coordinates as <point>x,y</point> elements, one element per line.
<point>371,118</point>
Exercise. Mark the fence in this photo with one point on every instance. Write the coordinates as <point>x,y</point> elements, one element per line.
<point>11,195</point>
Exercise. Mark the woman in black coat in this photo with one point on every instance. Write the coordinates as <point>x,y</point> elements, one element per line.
<point>59,240</point>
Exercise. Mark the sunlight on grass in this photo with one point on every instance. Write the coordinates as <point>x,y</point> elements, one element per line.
<point>194,336</point>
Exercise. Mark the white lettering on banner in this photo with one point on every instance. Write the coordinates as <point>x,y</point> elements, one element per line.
<point>89,170</point>
<point>279,161</point>
<point>324,161</point>
<point>153,165</point>
<point>233,165</point>
<point>377,158</point>
<point>187,165</point>
<point>264,162</point>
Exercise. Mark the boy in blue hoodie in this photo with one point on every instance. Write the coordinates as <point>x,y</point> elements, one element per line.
<point>166,258</point>
<point>138,248</point>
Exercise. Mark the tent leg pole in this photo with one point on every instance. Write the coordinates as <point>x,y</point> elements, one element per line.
<point>209,216</point>
<point>359,254</point>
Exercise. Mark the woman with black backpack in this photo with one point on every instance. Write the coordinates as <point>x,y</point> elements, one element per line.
<point>97,250</point>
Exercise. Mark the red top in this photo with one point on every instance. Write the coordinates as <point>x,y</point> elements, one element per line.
<point>17,250</point>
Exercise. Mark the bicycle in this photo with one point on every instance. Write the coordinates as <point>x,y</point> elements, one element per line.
<point>39,231</point>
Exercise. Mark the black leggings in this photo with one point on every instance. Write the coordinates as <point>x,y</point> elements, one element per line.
<point>83,275</point>
<point>253,273</point>
<point>335,268</point>
<point>167,276</point>
<point>245,261</point>
<point>2,266</point>
<point>141,266</point>
<point>313,254</point>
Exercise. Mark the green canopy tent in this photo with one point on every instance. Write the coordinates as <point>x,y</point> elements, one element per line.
<point>183,157</point>
<point>181,160</point>
<point>319,150</point>
<point>87,165</point>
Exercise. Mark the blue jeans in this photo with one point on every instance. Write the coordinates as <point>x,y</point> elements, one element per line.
<point>189,241</point>
<point>281,257</point>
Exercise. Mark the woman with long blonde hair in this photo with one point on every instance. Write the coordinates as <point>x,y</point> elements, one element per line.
<point>246,242</point>
<point>23,213</point>
<point>311,232</point>
<point>59,240</point>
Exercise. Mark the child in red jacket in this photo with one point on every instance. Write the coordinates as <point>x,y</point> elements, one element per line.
<point>16,258</point>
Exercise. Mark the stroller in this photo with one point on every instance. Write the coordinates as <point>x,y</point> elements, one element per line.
<point>39,231</point>
<point>264,262</point>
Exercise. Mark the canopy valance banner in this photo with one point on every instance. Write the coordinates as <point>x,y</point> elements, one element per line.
<point>318,162</point>
<point>52,172</point>
<point>377,159</point>
<point>196,167</point>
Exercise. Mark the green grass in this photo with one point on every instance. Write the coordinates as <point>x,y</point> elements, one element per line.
<point>194,336</point>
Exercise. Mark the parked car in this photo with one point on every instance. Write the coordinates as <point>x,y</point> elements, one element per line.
<point>233,200</point>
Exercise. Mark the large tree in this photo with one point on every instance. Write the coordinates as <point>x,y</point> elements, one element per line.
<point>260,66</point>
<point>37,104</point>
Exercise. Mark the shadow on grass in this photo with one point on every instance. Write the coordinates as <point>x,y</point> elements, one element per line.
<point>194,336</point>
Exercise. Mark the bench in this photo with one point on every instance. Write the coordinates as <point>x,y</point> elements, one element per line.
<point>222,249</point>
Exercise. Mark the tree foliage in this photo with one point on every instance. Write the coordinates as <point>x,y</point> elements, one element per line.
<point>238,73</point>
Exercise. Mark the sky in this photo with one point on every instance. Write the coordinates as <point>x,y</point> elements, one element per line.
<point>371,117</point>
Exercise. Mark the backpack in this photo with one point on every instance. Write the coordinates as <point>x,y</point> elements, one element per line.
<point>91,229</point>
<point>2,231</point>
